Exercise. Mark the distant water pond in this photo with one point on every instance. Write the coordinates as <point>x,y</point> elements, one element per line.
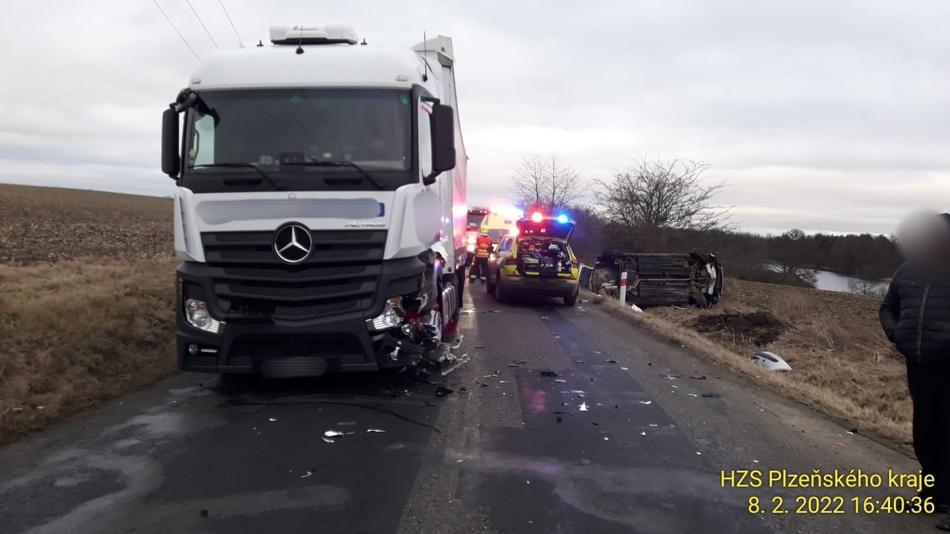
<point>842,283</point>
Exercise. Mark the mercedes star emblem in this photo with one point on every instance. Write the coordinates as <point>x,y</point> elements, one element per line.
<point>292,243</point>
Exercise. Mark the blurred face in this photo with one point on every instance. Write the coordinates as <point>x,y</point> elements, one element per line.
<point>925,237</point>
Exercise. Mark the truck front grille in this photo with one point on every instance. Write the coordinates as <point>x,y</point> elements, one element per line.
<point>251,282</point>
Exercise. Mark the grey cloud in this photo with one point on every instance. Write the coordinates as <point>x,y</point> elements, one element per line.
<point>822,115</point>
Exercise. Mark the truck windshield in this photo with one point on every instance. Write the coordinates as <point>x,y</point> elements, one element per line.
<point>302,138</point>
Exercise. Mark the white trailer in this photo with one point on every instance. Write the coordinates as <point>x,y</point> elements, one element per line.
<point>321,205</point>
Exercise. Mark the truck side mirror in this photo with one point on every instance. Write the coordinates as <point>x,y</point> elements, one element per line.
<point>442,121</point>
<point>171,159</point>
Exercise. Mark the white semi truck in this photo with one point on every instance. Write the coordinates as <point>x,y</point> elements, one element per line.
<point>321,205</point>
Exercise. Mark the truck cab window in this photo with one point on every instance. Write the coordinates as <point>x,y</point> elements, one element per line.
<point>302,138</point>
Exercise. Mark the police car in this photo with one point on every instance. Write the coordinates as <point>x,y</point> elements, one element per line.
<point>536,259</point>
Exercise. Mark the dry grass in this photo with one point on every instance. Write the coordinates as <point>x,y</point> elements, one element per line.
<point>842,363</point>
<point>86,301</point>
<point>74,334</point>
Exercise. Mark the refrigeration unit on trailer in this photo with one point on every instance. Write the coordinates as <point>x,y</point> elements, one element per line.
<point>321,205</point>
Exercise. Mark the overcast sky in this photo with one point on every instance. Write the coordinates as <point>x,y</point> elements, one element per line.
<point>828,116</point>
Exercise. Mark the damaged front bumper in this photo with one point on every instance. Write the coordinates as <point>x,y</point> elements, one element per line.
<point>284,347</point>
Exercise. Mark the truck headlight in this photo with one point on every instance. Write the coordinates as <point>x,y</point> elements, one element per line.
<point>198,316</point>
<point>392,316</point>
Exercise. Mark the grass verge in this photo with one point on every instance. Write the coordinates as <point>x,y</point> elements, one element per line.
<point>842,364</point>
<point>74,334</point>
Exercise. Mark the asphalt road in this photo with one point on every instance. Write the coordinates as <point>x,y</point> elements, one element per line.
<point>629,436</point>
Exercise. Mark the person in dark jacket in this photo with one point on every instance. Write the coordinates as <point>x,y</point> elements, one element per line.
<point>915,316</point>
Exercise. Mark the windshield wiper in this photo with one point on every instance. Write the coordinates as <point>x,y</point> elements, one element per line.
<point>337,164</point>
<point>239,165</point>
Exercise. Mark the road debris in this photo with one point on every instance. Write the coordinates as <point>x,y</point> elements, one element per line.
<point>548,372</point>
<point>582,407</point>
<point>671,377</point>
<point>646,402</point>
<point>560,380</point>
<point>771,361</point>
<point>375,431</point>
<point>643,433</point>
<point>272,419</point>
<point>693,395</point>
<point>443,391</point>
<point>636,308</point>
<point>308,474</point>
<point>711,395</point>
<point>624,368</point>
<point>701,377</point>
<point>611,361</point>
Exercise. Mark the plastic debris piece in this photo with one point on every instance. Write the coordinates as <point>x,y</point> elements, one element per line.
<point>606,438</point>
<point>308,474</point>
<point>636,308</point>
<point>597,352</point>
<point>548,372</point>
<point>272,419</point>
<point>698,453</point>
<point>333,434</point>
<point>670,377</point>
<point>528,482</point>
<point>624,368</point>
<point>853,431</point>
<point>643,433</point>
<point>611,361</point>
<point>560,380</point>
<point>771,361</point>
<point>646,402</point>
<point>583,407</point>
<point>693,395</point>
<point>375,431</point>
<point>654,425</point>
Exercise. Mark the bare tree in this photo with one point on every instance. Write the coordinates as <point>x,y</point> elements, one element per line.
<point>546,183</point>
<point>661,194</point>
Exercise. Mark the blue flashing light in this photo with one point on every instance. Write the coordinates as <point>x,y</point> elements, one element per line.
<point>562,218</point>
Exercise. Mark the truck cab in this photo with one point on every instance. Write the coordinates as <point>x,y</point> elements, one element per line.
<point>320,207</point>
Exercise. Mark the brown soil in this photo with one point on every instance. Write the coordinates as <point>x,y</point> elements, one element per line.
<point>41,225</point>
<point>758,328</point>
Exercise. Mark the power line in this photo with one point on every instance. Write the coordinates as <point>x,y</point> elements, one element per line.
<point>172,24</point>
<point>231,22</point>
<point>202,24</point>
